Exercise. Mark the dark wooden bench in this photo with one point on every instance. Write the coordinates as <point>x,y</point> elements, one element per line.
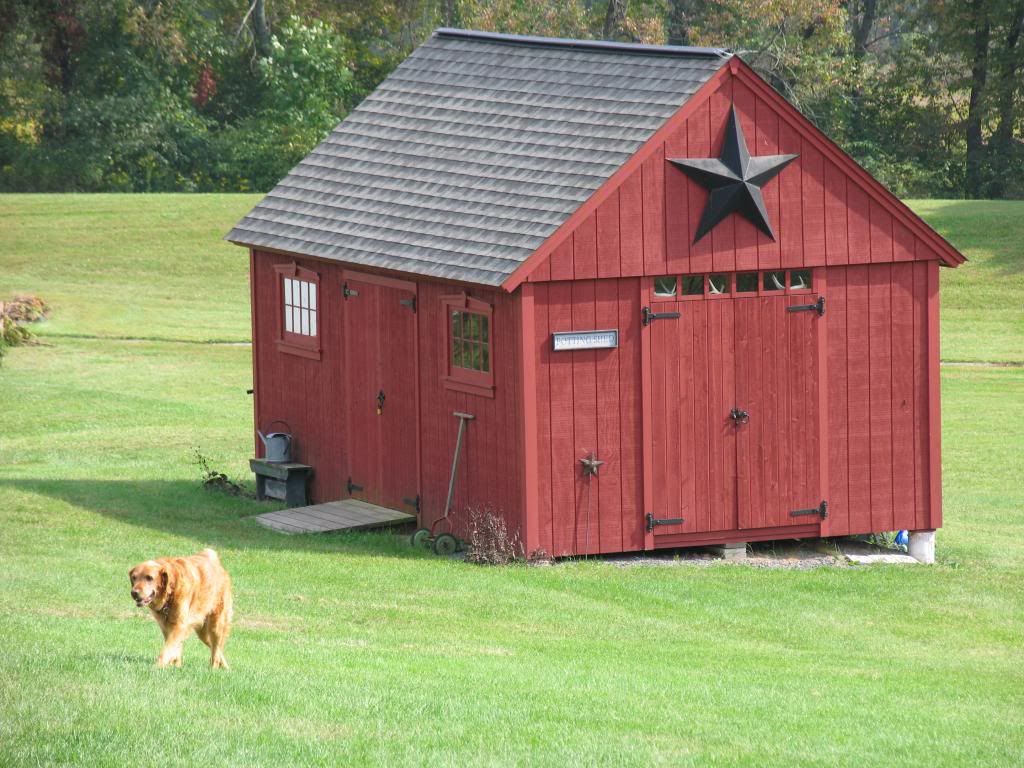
<point>288,482</point>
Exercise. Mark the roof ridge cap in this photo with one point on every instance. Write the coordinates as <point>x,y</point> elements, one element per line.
<point>591,45</point>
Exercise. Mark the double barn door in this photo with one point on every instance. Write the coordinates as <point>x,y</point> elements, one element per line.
<point>735,415</point>
<point>380,382</point>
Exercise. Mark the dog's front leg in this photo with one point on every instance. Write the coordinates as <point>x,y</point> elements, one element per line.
<point>173,641</point>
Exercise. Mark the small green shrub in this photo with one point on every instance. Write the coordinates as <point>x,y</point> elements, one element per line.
<point>214,480</point>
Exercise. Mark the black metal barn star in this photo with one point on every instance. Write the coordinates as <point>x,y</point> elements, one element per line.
<point>734,180</point>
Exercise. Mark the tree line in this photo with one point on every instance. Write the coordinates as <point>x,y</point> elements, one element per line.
<point>227,95</point>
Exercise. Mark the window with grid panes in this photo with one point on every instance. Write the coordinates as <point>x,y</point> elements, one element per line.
<point>299,310</point>
<point>469,335</point>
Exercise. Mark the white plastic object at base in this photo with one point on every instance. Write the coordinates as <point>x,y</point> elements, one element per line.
<point>922,546</point>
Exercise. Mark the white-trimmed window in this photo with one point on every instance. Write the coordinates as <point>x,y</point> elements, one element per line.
<point>298,310</point>
<point>299,307</point>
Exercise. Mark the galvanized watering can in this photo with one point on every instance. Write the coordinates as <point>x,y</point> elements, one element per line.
<point>277,446</point>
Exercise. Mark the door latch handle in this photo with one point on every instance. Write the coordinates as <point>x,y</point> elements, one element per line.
<point>648,317</point>
<point>818,306</point>
<point>739,417</point>
<point>380,402</point>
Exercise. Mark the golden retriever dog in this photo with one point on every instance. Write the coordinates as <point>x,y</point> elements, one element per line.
<point>185,594</point>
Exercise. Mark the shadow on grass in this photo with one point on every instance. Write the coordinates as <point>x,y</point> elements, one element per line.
<point>183,508</point>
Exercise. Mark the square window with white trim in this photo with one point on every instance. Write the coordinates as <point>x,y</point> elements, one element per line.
<point>299,307</point>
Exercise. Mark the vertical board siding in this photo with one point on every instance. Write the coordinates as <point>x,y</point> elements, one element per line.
<point>789,225</point>
<point>589,402</point>
<point>858,398</point>
<point>584,249</point>
<point>563,458</point>
<point>652,175</point>
<point>584,419</point>
<point>746,233</point>
<point>878,422</point>
<point>698,139</point>
<point>491,461</point>
<point>813,195</point>
<point>631,228</point>
<point>835,228</point>
<point>608,263</point>
<point>838,410</point>
<point>902,345</point>
<point>880,366</point>
<point>723,236</point>
<point>921,425</point>
<point>630,417</point>
<point>295,388</point>
<point>768,253</point>
<point>609,434</point>
<point>542,350</point>
<point>676,202</point>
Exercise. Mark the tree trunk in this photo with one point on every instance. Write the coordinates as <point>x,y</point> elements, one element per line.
<point>1002,137</point>
<point>261,29</point>
<point>615,21</point>
<point>681,14</point>
<point>979,75</point>
<point>64,32</point>
<point>861,28</point>
<point>450,13</point>
<point>862,21</point>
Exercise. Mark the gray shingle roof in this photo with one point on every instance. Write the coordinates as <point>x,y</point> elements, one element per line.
<point>473,152</point>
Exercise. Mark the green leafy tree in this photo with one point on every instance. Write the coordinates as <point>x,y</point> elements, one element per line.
<point>303,89</point>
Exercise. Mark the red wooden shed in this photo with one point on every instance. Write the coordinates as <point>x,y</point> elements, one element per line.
<point>642,256</point>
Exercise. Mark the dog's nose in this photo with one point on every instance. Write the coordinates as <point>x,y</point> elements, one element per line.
<point>135,594</point>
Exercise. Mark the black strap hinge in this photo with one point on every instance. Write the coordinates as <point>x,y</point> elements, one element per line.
<point>821,509</point>
<point>352,487</point>
<point>649,316</point>
<point>818,306</point>
<point>653,521</point>
<point>346,292</point>
<point>410,303</point>
<point>413,502</point>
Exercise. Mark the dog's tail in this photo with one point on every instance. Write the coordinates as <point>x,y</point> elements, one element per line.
<point>212,554</point>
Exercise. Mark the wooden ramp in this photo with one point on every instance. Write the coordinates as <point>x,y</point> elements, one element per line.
<point>345,515</point>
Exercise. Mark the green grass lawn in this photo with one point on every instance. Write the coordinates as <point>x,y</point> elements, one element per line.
<point>356,650</point>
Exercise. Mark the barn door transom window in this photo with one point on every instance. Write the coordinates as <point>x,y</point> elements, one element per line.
<point>723,285</point>
<point>298,310</point>
<point>469,345</point>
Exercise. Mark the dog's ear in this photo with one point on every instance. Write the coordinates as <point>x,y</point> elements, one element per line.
<point>168,578</point>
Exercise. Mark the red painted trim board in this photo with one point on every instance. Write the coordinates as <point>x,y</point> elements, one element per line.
<point>934,390</point>
<point>528,423</point>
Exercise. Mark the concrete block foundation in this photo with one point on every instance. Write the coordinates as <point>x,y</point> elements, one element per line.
<point>734,551</point>
<point>922,546</point>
